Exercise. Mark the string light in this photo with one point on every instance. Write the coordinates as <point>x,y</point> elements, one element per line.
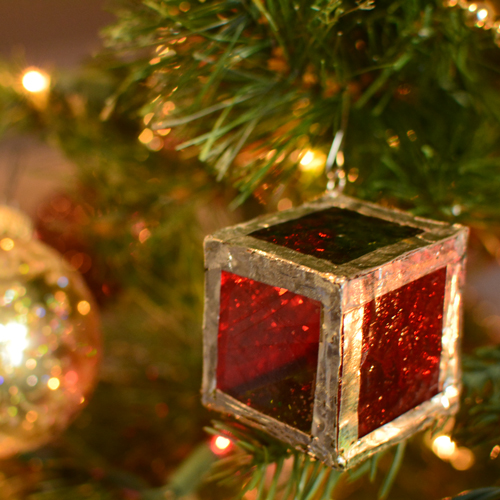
<point>460,458</point>
<point>220,445</point>
<point>312,161</point>
<point>482,14</point>
<point>35,81</point>
<point>443,447</point>
<point>151,141</point>
<point>307,158</point>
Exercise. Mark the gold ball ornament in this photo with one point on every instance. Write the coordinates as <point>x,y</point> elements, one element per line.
<point>49,339</point>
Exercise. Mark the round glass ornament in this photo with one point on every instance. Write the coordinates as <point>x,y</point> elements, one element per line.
<point>49,338</point>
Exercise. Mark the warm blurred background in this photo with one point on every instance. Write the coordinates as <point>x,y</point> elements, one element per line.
<point>48,34</point>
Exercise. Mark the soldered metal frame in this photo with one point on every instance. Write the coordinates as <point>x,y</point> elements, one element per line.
<point>343,290</point>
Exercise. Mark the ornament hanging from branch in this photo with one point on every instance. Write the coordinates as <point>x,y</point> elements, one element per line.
<point>49,339</point>
<point>334,326</point>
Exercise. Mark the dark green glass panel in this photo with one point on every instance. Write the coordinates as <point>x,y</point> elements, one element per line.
<point>336,234</point>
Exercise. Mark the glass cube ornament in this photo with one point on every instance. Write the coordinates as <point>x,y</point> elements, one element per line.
<point>334,326</point>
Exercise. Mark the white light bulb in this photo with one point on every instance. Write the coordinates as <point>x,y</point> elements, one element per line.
<point>35,81</point>
<point>443,447</point>
<point>307,158</point>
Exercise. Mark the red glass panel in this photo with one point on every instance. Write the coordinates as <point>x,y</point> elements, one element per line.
<point>268,348</point>
<point>401,350</point>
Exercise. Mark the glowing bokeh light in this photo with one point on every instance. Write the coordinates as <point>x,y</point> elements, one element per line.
<point>462,459</point>
<point>31,364</point>
<point>312,162</point>
<point>13,342</point>
<point>482,14</point>
<point>31,416</point>
<point>71,378</point>
<point>220,445</point>
<point>155,144</point>
<point>53,383</point>
<point>7,244</point>
<point>146,136</point>
<point>340,159</point>
<point>63,282</point>
<point>83,307</point>
<point>35,81</point>
<point>443,447</point>
<point>284,204</point>
<point>307,158</point>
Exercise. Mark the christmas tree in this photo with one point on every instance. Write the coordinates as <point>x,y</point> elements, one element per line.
<point>200,114</point>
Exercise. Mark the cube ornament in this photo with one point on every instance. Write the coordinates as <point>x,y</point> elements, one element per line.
<point>334,326</point>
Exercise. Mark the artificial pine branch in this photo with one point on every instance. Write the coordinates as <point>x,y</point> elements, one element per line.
<point>248,78</point>
<point>306,479</point>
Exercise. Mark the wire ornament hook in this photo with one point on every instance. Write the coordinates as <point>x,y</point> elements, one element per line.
<point>336,177</point>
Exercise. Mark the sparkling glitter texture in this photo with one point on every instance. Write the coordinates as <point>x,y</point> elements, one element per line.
<point>336,234</point>
<point>268,348</point>
<point>48,349</point>
<point>401,350</point>
<point>335,326</point>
